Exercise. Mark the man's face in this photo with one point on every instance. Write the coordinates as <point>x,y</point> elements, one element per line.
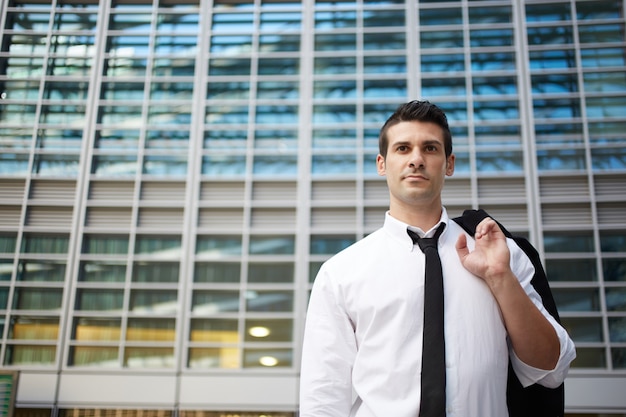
<point>415,165</point>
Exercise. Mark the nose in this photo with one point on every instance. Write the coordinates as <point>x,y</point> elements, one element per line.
<point>416,159</point>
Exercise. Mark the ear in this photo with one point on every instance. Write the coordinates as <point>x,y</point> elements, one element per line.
<point>450,165</point>
<point>380,165</point>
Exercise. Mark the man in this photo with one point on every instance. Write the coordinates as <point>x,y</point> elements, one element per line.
<point>362,353</point>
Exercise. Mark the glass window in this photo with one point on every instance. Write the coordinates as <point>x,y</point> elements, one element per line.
<point>29,355</point>
<point>228,90</point>
<point>151,330</point>
<point>99,299</point>
<point>442,62</point>
<point>233,114</point>
<point>218,246</point>
<point>13,164</point>
<point>618,356</point>
<point>383,18</point>
<point>178,23</point>
<point>491,37</point>
<point>56,165</point>
<point>490,61</point>
<point>65,139</point>
<point>441,16</point>
<point>37,298</point>
<point>334,164</point>
<point>114,165</point>
<point>565,108</point>
<point>45,271</point>
<point>33,328</point>
<point>230,45</point>
<point>6,272</point>
<point>614,269</point>
<point>615,299</point>
<point>568,241</point>
<point>577,299</point>
<point>280,21</point>
<point>149,357</point>
<point>224,165</point>
<point>214,330</point>
<point>226,358</point>
<point>269,330</point>
<point>276,165</point>
<point>99,356</point>
<point>329,245</point>
<point>488,135</point>
<point>254,358</point>
<point>548,12</point>
<point>272,245</point>
<point>561,159</point>
<point>117,139</point>
<point>602,57</point>
<point>571,270</point>
<point>125,66</point>
<point>554,83</point>
<point>384,41</point>
<point>278,66</point>
<point>128,45</point>
<point>335,19</point>
<point>277,90</point>
<point>153,301</point>
<point>339,89</point>
<point>167,139</point>
<point>330,114</point>
<point>105,244</point>
<point>217,272</point>
<point>384,88</point>
<point>443,86</point>
<point>98,271</point>
<point>550,35</point>
<point>232,22</point>
<point>609,159</point>
<point>155,272</point>
<point>176,67</point>
<point>605,82</point>
<point>281,139</point>
<point>490,15</point>
<point>165,165</point>
<point>384,64</point>
<point>335,42</point>
<point>7,242</point>
<point>612,241</point>
<point>335,138</point>
<point>160,245</point>
<point>583,329</point>
<point>505,161</point>
<point>269,301</point>
<point>45,243</point>
<point>617,329</point>
<point>601,33</point>
<point>225,139</point>
<point>441,39</point>
<point>214,301</point>
<point>96,329</point>
<point>279,43</point>
<point>335,65</point>
<point>271,272</point>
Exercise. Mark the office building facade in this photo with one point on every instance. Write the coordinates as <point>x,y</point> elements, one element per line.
<point>174,172</point>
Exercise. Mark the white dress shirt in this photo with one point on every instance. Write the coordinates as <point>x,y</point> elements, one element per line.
<point>363,339</point>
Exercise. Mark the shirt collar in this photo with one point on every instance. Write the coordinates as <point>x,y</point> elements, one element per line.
<point>397,229</point>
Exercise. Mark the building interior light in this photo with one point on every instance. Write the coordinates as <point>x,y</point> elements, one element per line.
<point>259,331</point>
<point>268,361</point>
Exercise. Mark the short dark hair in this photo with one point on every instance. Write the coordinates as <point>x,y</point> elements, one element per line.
<point>421,111</point>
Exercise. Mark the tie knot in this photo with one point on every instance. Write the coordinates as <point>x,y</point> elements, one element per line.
<point>427,242</point>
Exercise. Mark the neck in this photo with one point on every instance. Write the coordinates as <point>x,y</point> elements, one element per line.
<point>422,216</point>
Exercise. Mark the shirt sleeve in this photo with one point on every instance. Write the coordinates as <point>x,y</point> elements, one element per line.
<point>528,375</point>
<point>328,353</point>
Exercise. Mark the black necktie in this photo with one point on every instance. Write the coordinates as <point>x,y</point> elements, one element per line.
<point>433,384</point>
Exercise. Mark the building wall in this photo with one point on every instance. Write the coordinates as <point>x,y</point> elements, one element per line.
<point>173,173</point>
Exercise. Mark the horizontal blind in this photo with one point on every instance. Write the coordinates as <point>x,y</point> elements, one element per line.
<point>49,217</point>
<point>273,218</point>
<point>160,218</point>
<point>222,219</point>
<point>12,190</point>
<point>108,217</point>
<point>275,191</point>
<point>567,215</point>
<point>219,192</point>
<point>171,192</point>
<point>111,191</point>
<point>52,190</point>
<point>333,191</point>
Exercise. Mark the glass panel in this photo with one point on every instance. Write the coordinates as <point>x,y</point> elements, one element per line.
<point>95,271</point>
<point>6,271</point>
<point>226,114</point>
<point>56,165</point>
<point>605,82</point>
<point>116,139</point>
<point>62,139</point>
<point>217,272</point>
<point>614,269</point>
<point>602,57</point>
<point>583,329</point>
<point>441,39</point>
<point>218,245</point>
<point>227,358</point>
<point>214,330</point>
<point>230,45</point>
<point>269,301</point>
<point>269,330</point>
<point>34,328</point>
<point>577,299</point>
<point>617,329</point>
<point>149,357</point>
<point>340,89</point>
<point>384,89</point>
<point>282,139</point>
<point>615,299</point>
<point>612,241</point>
<point>280,21</point>
<point>154,301</point>
<point>37,298</point>
<point>601,33</point>
<point>225,139</point>
<point>329,114</point>
<point>384,41</point>
<point>335,19</point>
<point>232,22</point>
<point>441,16</point>
<point>491,61</point>
<point>557,35</point>
<point>335,65</point>
<point>155,272</point>
<point>568,241</point>
<point>105,244</point>
<point>279,43</point>
<point>490,15</point>
<point>99,299</point>
<point>333,164</point>
<point>165,246</point>
<point>329,245</point>
<point>561,159</point>
<point>214,301</point>
<point>278,165</point>
<point>278,66</point>
<point>611,159</point>
<point>383,18</point>
<point>151,330</point>
<point>511,161</point>
<point>271,272</point>
<point>277,114</point>
<point>47,271</point>
<point>229,66</point>
<point>224,165</point>
<point>491,37</point>
<point>548,12</point>
<point>314,268</point>
<point>589,358</point>
<point>98,356</point>
<point>176,67</point>
<point>29,355</point>
<point>335,138</point>
<point>335,42</point>
<point>165,165</point>
<point>618,356</point>
<point>97,329</point>
<point>272,245</point>
<point>446,86</point>
<point>384,65</point>
<point>254,358</point>
<point>571,270</point>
